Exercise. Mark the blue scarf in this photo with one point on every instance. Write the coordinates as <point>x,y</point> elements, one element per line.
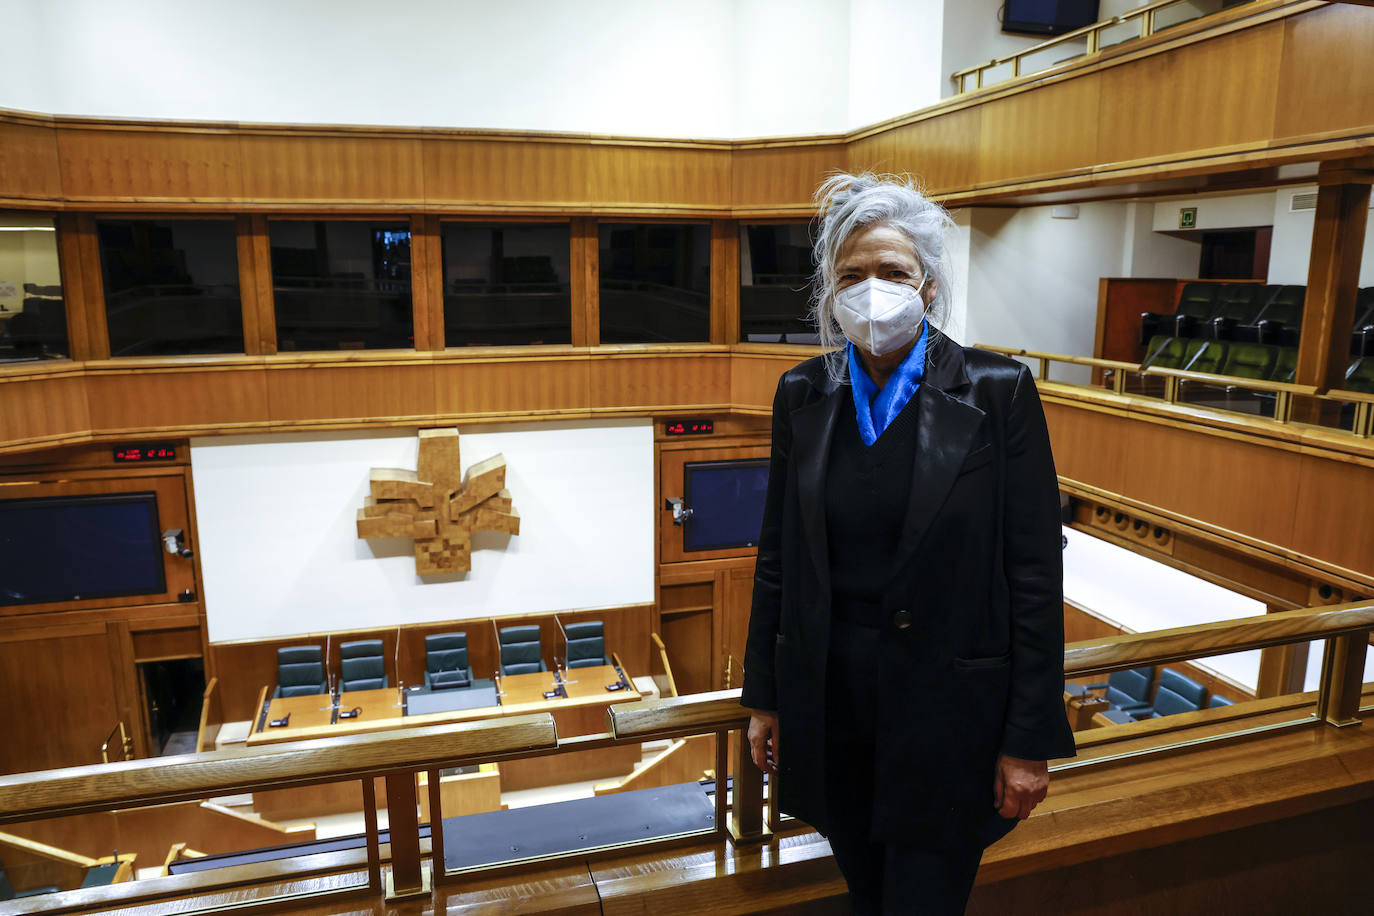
<point>877,409</point>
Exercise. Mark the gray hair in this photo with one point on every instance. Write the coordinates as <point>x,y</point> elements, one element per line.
<point>845,203</point>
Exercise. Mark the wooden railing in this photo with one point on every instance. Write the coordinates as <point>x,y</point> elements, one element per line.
<point>1116,376</point>
<point>399,755</point>
<point>1144,16</point>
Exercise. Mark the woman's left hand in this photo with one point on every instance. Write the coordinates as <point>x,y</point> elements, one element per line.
<point>1019,786</point>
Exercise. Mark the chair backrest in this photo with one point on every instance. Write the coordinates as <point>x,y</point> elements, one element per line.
<point>1360,375</point>
<point>1178,693</point>
<point>362,665</point>
<point>1198,299</point>
<point>520,650</point>
<point>446,652</point>
<point>1285,366</point>
<point>586,644</point>
<point>1219,700</point>
<point>1285,306</point>
<point>1247,360</point>
<point>1242,302</point>
<point>300,671</point>
<point>1130,688</point>
<point>1209,358</point>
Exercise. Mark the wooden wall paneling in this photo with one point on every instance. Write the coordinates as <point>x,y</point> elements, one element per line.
<point>40,408</point>
<point>520,382</point>
<point>396,388</point>
<point>1121,302</point>
<point>151,645</point>
<point>1089,447</point>
<point>754,377</point>
<point>29,170</point>
<point>733,615</point>
<point>92,303</point>
<point>172,513</point>
<point>585,283</point>
<point>671,485</point>
<point>688,640</point>
<point>651,381</point>
<point>1053,130</point>
<point>255,285</point>
<point>289,169</point>
<point>1202,476</point>
<point>127,399</point>
<point>941,152</point>
<point>662,179</point>
<point>780,178</point>
<point>76,300</point>
<point>149,165</point>
<point>1323,86</point>
<point>513,174</point>
<point>724,281</point>
<point>60,697</point>
<point>427,282</point>
<point>1214,94</point>
<point>1334,518</point>
<point>1333,278</point>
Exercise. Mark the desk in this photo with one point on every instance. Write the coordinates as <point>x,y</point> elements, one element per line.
<point>581,712</point>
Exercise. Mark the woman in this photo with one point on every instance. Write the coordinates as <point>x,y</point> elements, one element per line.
<point>904,669</point>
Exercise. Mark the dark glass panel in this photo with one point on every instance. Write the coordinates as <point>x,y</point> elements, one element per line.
<point>171,286</point>
<point>655,283</point>
<point>775,284</point>
<point>33,315</point>
<point>506,284</point>
<point>341,285</point>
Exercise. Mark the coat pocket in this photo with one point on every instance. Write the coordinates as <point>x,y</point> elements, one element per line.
<point>987,661</point>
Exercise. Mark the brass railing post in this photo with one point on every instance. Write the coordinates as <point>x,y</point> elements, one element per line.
<point>1363,413</point>
<point>1119,381</point>
<point>1283,406</point>
<point>746,813</point>
<point>1338,702</point>
<point>1171,389</point>
<point>1044,374</point>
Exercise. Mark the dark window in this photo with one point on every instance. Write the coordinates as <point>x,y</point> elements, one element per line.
<point>341,285</point>
<point>33,316</point>
<point>775,284</point>
<point>506,284</point>
<point>655,283</point>
<point>171,286</point>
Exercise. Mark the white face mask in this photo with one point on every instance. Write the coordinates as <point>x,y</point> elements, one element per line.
<point>880,316</point>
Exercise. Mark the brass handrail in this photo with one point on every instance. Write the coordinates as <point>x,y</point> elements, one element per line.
<point>1284,392</point>
<point>1092,31</point>
<point>1158,647</point>
<point>125,745</point>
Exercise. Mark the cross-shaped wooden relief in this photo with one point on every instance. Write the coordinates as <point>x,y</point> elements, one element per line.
<point>437,505</point>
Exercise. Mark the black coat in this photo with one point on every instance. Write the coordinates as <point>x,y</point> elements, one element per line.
<point>979,669</point>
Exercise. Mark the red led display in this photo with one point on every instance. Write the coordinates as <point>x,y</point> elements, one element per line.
<point>690,427</point>
<point>146,453</point>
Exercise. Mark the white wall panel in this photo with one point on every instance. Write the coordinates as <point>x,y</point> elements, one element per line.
<point>280,553</point>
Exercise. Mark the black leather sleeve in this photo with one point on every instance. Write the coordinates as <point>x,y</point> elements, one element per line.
<point>760,691</point>
<point>1037,727</point>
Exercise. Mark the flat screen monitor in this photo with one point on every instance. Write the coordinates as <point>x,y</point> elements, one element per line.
<point>1047,17</point>
<point>74,548</point>
<point>726,499</point>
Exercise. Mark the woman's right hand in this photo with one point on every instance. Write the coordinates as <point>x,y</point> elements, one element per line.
<point>763,740</point>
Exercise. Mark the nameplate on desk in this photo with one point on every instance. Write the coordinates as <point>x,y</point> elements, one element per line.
<point>278,723</point>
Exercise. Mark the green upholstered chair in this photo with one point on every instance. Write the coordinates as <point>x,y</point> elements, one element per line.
<point>1237,307</point>
<point>1285,366</point>
<point>1360,375</point>
<point>1248,360</point>
<point>300,672</point>
<point>521,652</point>
<point>586,644</point>
<point>1197,304</point>
<point>1171,352</point>
<point>1280,321</point>
<point>446,661</point>
<point>1209,358</point>
<point>362,665</point>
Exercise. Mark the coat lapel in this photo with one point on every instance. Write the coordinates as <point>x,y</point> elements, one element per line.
<point>945,430</point>
<point>813,426</point>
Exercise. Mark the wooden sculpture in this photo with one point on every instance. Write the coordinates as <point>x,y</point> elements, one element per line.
<point>438,506</point>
